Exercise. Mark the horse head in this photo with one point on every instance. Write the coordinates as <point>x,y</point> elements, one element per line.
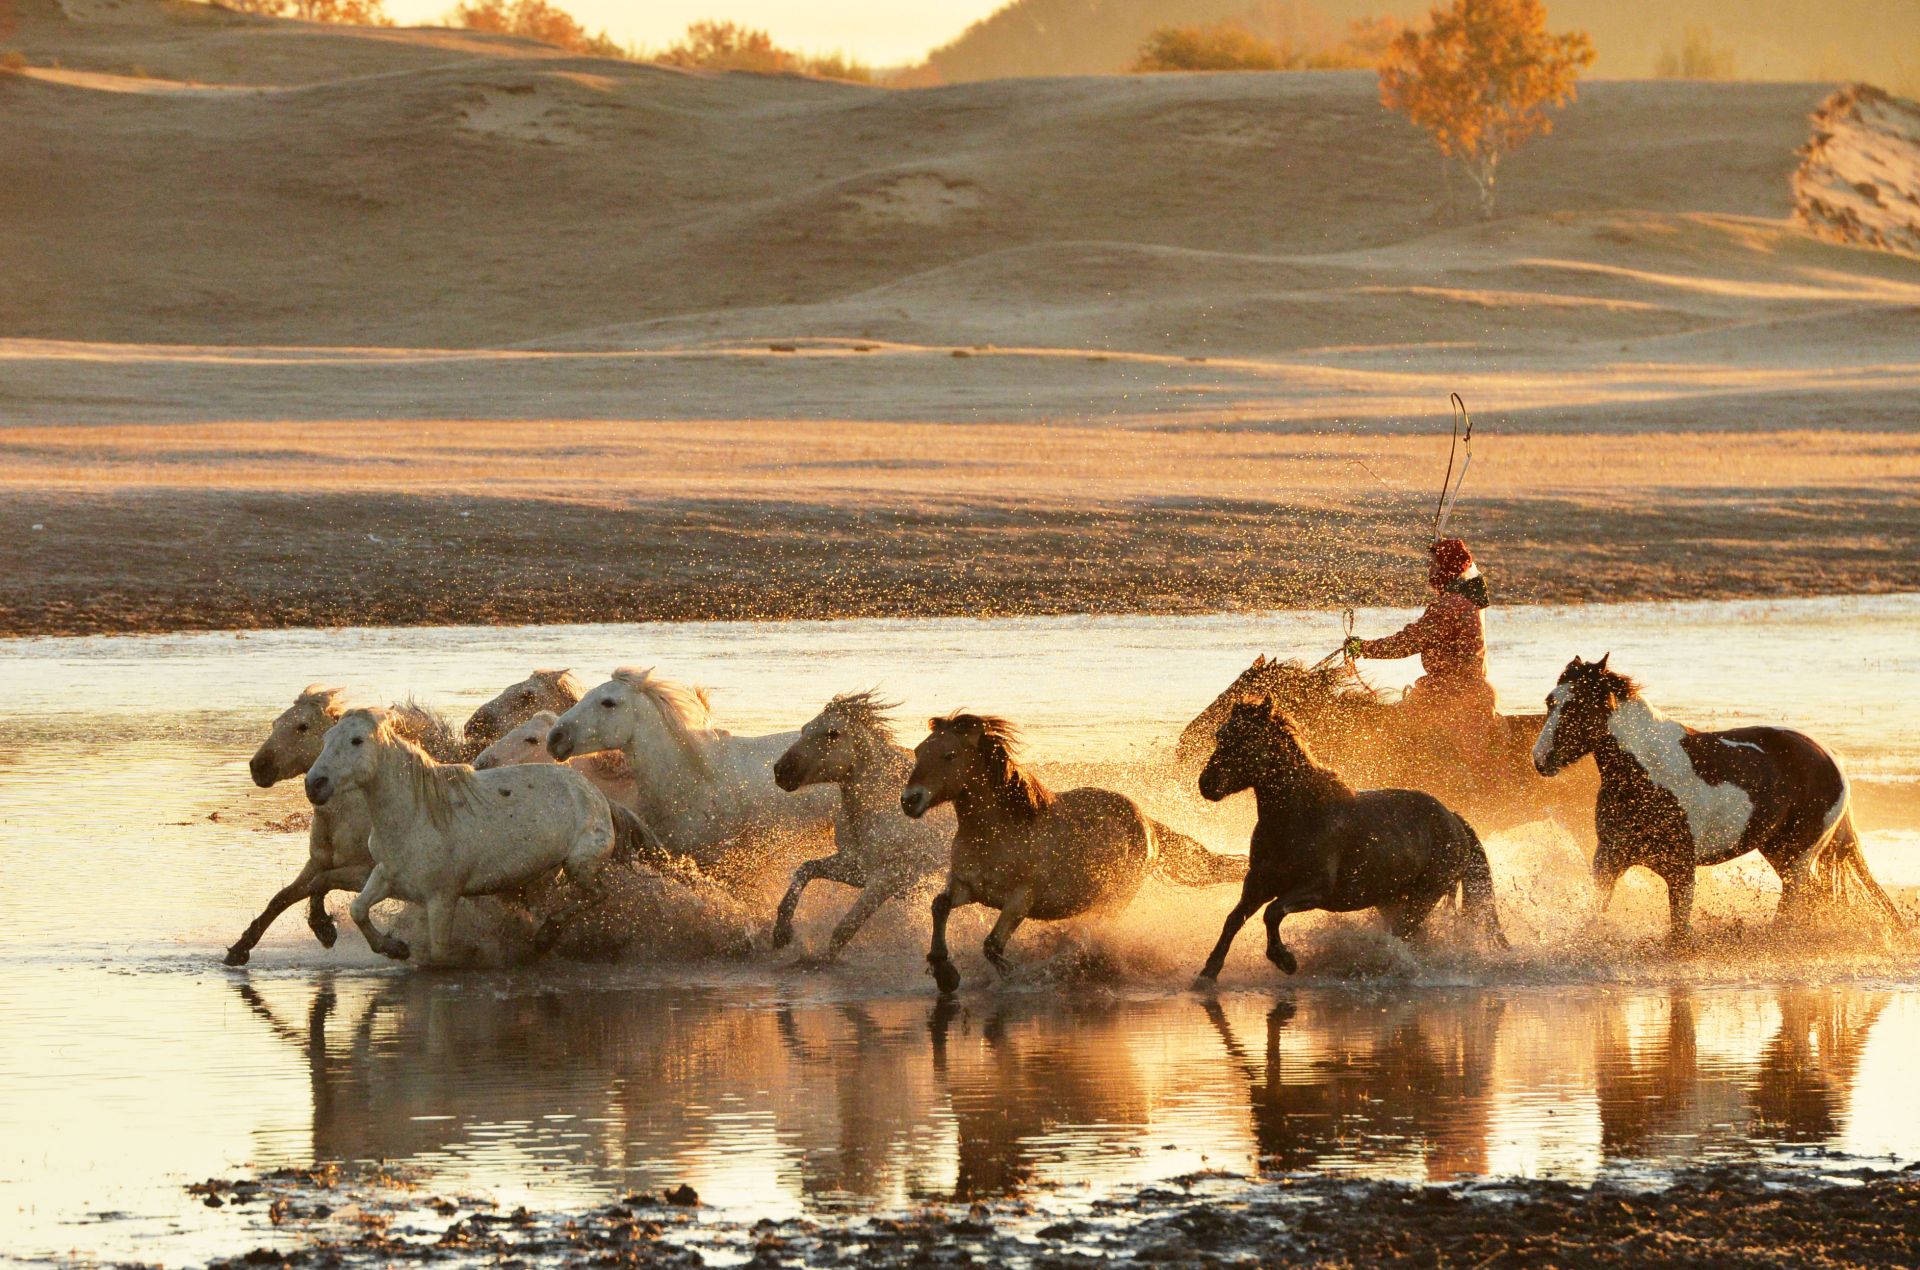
<point>526,743</point>
<point>552,690</point>
<point>293,744</point>
<point>838,743</point>
<point>970,756</point>
<point>350,754</point>
<point>1257,743</point>
<point>635,710</point>
<point>1294,688</point>
<point>1578,709</point>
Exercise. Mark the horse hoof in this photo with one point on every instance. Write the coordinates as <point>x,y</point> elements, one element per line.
<point>1285,960</point>
<point>781,937</point>
<point>1203,982</point>
<point>237,956</point>
<point>398,950</point>
<point>327,934</point>
<point>946,976</point>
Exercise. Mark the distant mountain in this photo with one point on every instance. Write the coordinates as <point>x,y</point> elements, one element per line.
<point>1877,40</point>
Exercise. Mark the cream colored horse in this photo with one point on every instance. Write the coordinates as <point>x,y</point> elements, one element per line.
<point>442,831</point>
<point>555,691</point>
<point>700,790</point>
<point>527,743</point>
<point>876,848</point>
<point>337,858</point>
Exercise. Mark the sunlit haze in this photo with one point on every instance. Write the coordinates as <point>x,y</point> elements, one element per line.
<point>880,32</point>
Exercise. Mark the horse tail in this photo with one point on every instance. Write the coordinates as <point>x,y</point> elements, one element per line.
<point>1844,876</point>
<point>1184,862</point>
<point>1476,883</point>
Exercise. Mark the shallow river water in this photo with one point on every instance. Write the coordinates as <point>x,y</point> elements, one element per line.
<point>134,848</point>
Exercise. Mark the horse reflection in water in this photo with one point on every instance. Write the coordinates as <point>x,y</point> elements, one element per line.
<point>1361,1079</point>
<point>1659,1099</point>
<point>890,1103</point>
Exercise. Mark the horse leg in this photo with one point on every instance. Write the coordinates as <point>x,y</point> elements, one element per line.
<point>790,902</point>
<point>1278,952</point>
<point>1606,876</point>
<point>283,899</point>
<point>1680,906</point>
<point>1012,913</point>
<point>945,975</point>
<point>377,888</point>
<point>865,905</point>
<point>440,928</point>
<point>1250,901</point>
<point>319,921</point>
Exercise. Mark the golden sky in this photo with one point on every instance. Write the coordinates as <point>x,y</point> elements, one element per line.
<point>881,32</point>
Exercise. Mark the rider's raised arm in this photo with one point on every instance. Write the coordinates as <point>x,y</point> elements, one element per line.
<point>1408,640</point>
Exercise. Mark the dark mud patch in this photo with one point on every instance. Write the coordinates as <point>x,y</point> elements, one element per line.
<point>1726,1217</point>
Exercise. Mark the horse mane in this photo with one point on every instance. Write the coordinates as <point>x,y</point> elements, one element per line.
<point>426,728</point>
<point>329,701</point>
<point>1600,675</point>
<point>868,711</point>
<point>563,679</point>
<point>686,712</point>
<point>435,785</point>
<point>1018,791</point>
<point>1294,680</point>
<point>1308,775</point>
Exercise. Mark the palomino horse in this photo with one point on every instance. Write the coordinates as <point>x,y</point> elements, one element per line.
<point>555,691</point>
<point>1320,845</point>
<point>876,847</point>
<point>1027,851</point>
<point>1675,799</point>
<point>442,831</point>
<point>527,743</point>
<point>700,790</point>
<point>337,858</point>
<point>1376,744</point>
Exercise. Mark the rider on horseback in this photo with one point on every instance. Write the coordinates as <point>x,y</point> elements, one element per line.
<point>1453,695</point>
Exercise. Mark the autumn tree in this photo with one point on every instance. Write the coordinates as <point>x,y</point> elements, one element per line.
<point>1225,47</point>
<point>533,20</point>
<point>729,46</point>
<point>345,12</point>
<point>1480,78</point>
<point>1699,56</point>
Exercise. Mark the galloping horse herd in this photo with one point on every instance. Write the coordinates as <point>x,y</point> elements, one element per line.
<point>550,778</point>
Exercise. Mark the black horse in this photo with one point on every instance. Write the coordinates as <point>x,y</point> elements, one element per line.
<point>1320,845</point>
<point>1675,799</point>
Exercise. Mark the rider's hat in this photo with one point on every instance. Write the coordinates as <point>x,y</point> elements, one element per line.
<point>1451,557</point>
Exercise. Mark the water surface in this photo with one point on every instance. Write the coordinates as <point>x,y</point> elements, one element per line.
<point>135,848</point>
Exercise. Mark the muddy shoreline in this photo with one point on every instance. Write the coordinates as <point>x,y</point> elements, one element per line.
<point>123,562</point>
<point>1731,1216</point>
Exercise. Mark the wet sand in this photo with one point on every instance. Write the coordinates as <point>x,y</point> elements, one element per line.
<point>1721,1217</point>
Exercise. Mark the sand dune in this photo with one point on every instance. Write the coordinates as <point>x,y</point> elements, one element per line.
<point>646,308</point>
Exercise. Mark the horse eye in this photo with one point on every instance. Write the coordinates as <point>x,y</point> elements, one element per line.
<point>533,740</point>
<point>358,739</point>
<point>606,703</point>
<point>301,728</point>
<point>527,695</point>
<point>833,734</point>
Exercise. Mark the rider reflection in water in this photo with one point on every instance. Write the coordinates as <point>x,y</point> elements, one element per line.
<point>1453,696</point>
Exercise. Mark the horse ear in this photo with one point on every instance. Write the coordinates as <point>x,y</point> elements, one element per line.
<point>1259,661</point>
<point>1602,663</point>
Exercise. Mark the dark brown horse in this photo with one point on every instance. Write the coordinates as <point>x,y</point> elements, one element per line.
<point>1377,744</point>
<point>1675,799</point>
<point>1320,845</point>
<point>1029,852</point>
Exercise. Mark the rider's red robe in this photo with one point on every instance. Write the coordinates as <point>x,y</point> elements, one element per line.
<point>1452,642</point>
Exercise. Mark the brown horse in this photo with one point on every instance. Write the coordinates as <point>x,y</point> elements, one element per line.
<point>1379,745</point>
<point>1320,845</point>
<point>1675,799</point>
<point>1029,852</point>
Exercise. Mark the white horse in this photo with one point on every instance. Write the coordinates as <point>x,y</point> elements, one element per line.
<point>700,790</point>
<point>337,858</point>
<point>554,691</point>
<point>442,831</point>
<point>876,848</point>
<point>527,743</point>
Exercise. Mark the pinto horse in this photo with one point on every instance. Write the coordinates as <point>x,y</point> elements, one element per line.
<point>1320,845</point>
<point>1029,852</point>
<point>1675,799</point>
